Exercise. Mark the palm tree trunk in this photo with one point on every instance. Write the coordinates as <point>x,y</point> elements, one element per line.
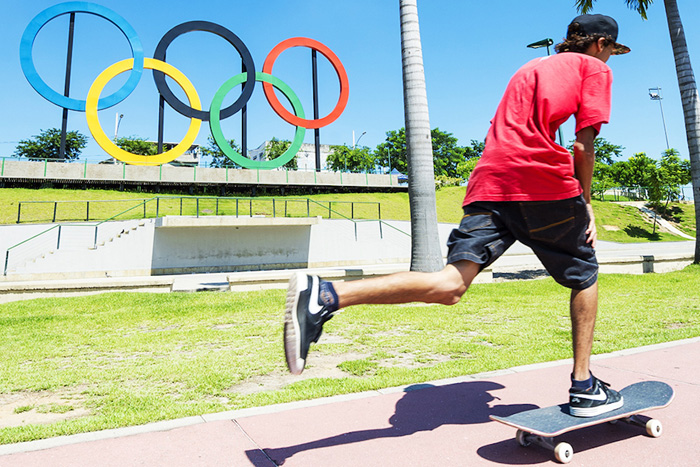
<point>426,254</point>
<point>691,105</point>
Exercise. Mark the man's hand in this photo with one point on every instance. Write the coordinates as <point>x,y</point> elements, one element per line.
<point>591,231</point>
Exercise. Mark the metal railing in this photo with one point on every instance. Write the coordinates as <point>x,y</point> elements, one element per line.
<point>86,211</point>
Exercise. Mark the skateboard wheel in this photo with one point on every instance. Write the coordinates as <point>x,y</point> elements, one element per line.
<point>563,452</point>
<point>654,428</point>
<point>521,438</point>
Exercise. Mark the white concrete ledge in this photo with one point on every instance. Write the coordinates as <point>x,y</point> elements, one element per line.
<point>234,221</point>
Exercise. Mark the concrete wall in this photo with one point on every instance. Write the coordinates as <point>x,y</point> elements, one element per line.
<point>211,244</point>
<point>57,171</point>
<point>177,245</point>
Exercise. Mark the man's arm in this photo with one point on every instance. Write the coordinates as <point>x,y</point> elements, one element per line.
<point>584,161</point>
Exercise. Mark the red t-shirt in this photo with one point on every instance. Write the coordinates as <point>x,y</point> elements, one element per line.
<point>521,159</point>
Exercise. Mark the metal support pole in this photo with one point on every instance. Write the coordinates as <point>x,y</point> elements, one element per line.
<point>244,123</point>
<point>663,120</point>
<point>161,120</point>
<point>317,131</point>
<point>66,87</point>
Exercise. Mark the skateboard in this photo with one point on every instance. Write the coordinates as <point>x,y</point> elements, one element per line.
<point>540,426</point>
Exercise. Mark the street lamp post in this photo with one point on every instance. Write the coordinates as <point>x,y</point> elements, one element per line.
<point>354,144</point>
<point>117,120</point>
<point>543,43</point>
<point>547,43</point>
<point>655,95</point>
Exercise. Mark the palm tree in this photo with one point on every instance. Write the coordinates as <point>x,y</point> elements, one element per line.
<point>688,88</point>
<point>426,255</point>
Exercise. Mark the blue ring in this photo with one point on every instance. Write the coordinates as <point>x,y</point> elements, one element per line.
<point>27,43</point>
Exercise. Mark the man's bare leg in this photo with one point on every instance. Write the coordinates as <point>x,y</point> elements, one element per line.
<point>446,287</point>
<point>584,307</point>
<point>311,302</point>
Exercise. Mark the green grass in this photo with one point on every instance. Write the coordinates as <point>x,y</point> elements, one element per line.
<point>682,214</point>
<point>615,223</point>
<point>130,358</point>
<point>626,224</point>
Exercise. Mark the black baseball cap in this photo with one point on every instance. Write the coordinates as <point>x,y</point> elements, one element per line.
<point>588,25</point>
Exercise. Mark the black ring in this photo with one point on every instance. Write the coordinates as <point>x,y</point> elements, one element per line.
<point>232,39</point>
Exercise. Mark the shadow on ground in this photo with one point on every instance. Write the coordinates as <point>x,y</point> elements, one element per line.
<point>424,407</point>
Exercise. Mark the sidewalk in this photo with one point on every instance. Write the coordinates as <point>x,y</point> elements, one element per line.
<point>433,424</point>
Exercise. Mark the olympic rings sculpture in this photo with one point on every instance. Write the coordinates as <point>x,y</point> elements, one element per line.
<point>193,109</point>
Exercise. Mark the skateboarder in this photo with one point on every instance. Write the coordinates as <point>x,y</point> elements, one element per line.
<point>526,187</point>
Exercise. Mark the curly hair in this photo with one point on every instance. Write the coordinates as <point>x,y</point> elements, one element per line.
<point>577,41</point>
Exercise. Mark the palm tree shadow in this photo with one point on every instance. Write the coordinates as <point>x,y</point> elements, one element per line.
<point>424,407</point>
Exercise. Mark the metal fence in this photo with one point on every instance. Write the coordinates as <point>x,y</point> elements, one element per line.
<point>86,211</point>
<point>685,193</point>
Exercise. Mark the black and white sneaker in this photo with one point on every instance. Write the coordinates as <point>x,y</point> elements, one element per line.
<point>596,400</point>
<point>303,320</point>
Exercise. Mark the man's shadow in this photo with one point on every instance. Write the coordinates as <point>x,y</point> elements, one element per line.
<point>424,407</point>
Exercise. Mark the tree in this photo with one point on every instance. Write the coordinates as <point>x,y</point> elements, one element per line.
<point>345,159</point>
<point>426,254</point>
<point>275,148</point>
<point>447,155</point>
<point>688,88</point>
<point>603,171</point>
<point>136,145</point>
<point>638,172</point>
<point>46,145</point>
<point>392,152</point>
<point>218,158</point>
<point>673,173</point>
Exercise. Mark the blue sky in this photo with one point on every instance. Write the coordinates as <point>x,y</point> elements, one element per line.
<point>470,50</point>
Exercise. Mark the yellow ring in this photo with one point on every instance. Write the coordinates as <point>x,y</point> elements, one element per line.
<point>108,145</point>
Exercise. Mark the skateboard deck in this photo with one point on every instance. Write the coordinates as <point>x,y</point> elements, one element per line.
<point>539,426</point>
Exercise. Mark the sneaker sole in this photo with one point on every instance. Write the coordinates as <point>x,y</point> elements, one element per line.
<point>586,412</point>
<point>292,344</point>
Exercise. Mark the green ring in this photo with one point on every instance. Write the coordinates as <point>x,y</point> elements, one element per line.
<point>215,122</point>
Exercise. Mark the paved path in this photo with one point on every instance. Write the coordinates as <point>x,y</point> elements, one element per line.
<point>433,424</point>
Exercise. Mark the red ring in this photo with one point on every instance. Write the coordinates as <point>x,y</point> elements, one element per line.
<point>337,66</point>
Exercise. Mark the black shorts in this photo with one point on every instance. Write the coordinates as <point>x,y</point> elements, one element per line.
<point>555,230</point>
